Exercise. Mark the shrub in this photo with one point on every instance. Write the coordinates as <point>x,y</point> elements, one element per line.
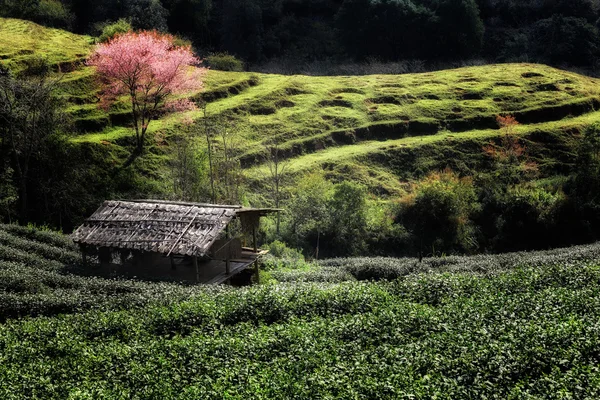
<point>280,256</point>
<point>53,13</point>
<point>438,213</point>
<point>112,29</point>
<point>224,62</point>
<point>35,66</point>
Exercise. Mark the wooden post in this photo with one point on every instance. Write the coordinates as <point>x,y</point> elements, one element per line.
<point>123,255</point>
<point>172,262</point>
<point>257,272</point>
<point>254,239</point>
<point>195,261</point>
<point>83,249</point>
<point>228,251</point>
<point>105,256</point>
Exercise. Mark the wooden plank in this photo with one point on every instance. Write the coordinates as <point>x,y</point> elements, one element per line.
<point>236,268</point>
<point>206,221</point>
<point>140,224</point>
<point>97,226</point>
<point>183,233</point>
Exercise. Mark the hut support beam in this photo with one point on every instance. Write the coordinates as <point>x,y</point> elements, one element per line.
<point>256,272</point>
<point>123,255</point>
<point>83,249</point>
<point>254,244</point>
<point>172,262</point>
<point>195,261</point>
<point>104,254</point>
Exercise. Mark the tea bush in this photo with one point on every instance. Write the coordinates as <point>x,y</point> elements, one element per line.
<point>383,268</point>
<point>528,332</point>
<point>517,325</point>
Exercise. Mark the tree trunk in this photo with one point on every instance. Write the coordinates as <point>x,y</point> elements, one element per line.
<point>133,156</point>
<point>23,201</point>
<point>317,249</point>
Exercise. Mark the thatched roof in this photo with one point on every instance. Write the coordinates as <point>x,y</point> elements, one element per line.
<point>156,226</point>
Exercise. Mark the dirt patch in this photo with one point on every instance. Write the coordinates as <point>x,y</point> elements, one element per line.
<point>223,92</point>
<point>468,79</point>
<point>284,104</point>
<point>558,112</point>
<point>472,96</point>
<point>506,84</point>
<point>347,90</point>
<point>397,100</point>
<point>391,85</point>
<point>261,109</point>
<point>335,103</point>
<point>293,91</point>
<point>344,137</point>
<point>67,66</point>
<point>467,124</point>
<point>120,119</point>
<point>546,87</point>
<point>531,75</point>
<point>91,124</point>
<point>423,127</point>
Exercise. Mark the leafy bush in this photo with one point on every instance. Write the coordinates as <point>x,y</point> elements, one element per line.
<point>441,335</point>
<point>35,66</point>
<point>53,13</point>
<point>112,29</point>
<point>466,331</point>
<point>439,211</point>
<point>224,62</point>
<point>385,268</point>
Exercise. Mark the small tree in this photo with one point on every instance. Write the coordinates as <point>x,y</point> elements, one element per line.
<point>30,114</point>
<point>348,223</point>
<point>511,162</point>
<point>228,167</point>
<point>150,69</point>
<point>188,169</point>
<point>277,167</point>
<point>438,213</point>
<point>307,213</point>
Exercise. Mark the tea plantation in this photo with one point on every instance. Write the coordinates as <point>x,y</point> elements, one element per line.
<point>522,325</point>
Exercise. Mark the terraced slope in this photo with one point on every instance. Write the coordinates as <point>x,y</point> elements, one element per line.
<point>368,128</point>
<point>21,40</point>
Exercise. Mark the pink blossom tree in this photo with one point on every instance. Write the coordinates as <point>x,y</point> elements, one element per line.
<point>151,70</point>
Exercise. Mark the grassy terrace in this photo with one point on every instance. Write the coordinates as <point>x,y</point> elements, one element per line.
<point>354,126</point>
<point>20,40</point>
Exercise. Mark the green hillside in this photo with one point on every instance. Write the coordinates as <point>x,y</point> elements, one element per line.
<point>22,40</point>
<point>354,126</point>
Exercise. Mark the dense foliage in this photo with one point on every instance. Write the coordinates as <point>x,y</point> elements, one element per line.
<point>41,274</point>
<point>309,30</point>
<point>516,325</point>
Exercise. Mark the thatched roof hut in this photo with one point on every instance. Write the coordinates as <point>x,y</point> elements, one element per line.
<point>187,229</point>
<point>172,229</point>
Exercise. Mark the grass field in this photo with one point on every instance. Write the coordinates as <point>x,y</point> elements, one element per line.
<point>520,325</point>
